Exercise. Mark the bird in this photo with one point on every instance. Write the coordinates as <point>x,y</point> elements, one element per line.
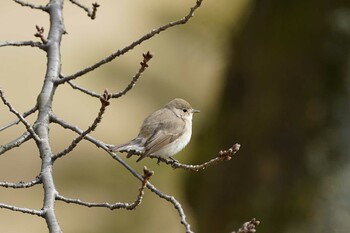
<point>163,133</point>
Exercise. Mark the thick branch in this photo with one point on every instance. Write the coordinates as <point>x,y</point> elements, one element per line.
<point>15,143</point>
<point>134,44</point>
<point>119,205</point>
<point>27,125</point>
<point>22,210</point>
<point>21,184</point>
<point>23,43</point>
<point>33,6</point>
<point>104,103</point>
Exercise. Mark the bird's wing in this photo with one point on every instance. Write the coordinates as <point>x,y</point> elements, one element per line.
<point>164,134</point>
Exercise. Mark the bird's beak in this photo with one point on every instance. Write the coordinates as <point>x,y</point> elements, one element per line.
<point>195,111</point>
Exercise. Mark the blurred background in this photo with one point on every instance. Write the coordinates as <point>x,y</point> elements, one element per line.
<point>270,75</point>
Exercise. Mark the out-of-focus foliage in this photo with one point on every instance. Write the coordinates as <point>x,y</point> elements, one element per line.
<point>286,100</point>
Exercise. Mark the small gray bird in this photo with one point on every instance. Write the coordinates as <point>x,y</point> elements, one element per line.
<point>163,133</point>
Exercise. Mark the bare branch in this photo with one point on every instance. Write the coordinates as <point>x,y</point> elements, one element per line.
<point>248,227</point>
<point>38,7</point>
<point>21,184</point>
<point>91,13</point>
<point>118,205</point>
<point>223,155</point>
<point>144,65</point>
<point>151,187</point>
<point>23,43</point>
<point>25,114</point>
<point>84,90</point>
<point>27,125</point>
<point>22,210</point>
<point>122,51</point>
<point>15,143</point>
<point>104,103</point>
<point>40,34</point>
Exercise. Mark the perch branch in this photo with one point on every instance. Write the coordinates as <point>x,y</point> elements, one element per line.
<point>223,155</point>
<point>146,176</point>
<point>15,143</point>
<point>122,51</point>
<point>104,103</point>
<point>151,187</point>
<point>15,122</point>
<point>23,43</point>
<point>21,184</point>
<point>91,13</point>
<point>27,125</point>
<point>33,6</point>
<point>248,227</point>
<point>22,210</point>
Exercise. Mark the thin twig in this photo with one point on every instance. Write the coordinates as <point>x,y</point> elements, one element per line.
<point>27,125</point>
<point>118,205</point>
<point>22,210</point>
<point>40,34</point>
<point>122,51</point>
<point>23,43</point>
<point>84,90</point>
<point>15,143</point>
<point>21,184</point>
<point>15,122</point>
<point>104,103</point>
<point>144,65</point>
<point>248,227</point>
<point>33,6</point>
<point>91,13</point>
<point>223,155</point>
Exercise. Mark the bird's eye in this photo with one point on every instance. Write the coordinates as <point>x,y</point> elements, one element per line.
<point>184,110</point>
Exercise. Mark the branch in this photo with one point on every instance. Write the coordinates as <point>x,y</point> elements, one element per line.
<point>146,176</point>
<point>104,103</point>
<point>144,65</point>
<point>38,7</point>
<point>21,184</point>
<point>23,43</point>
<point>22,210</point>
<point>134,44</point>
<point>248,227</point>
<point>91,13</point>
<point>25,114</point>
<point>223,155</point>
<point>15,143</point>
<point>40,34</point>
<point>151,187</point>
<point>27,125</point>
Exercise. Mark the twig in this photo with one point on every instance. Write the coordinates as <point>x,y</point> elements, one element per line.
<point>144,65</point>
<point>122,51</point>
<point>15,143</point>
<point>22,210</point>
<point>21,184</point>
<point>23,43</point>
<point>104,103</point>
<point>223,155</point>
<point>118,205</point>
<point>151,187</point>
<point>40,33</point>
<point>27,125</point>
<point>248,227</point>
<point>15,122</point>
<point>38,7</point>
<point>91,13</point>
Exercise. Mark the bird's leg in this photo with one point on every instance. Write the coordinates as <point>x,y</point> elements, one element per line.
<point>173,160</point>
